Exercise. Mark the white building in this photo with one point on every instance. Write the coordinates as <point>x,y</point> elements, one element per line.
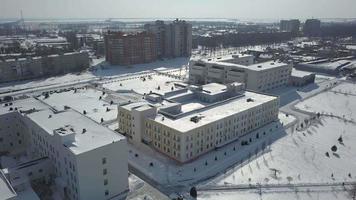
<point>86,160</point>
<point>189,122</point>
<point>240,68</point>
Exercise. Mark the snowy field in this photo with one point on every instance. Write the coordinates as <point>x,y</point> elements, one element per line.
<point>301,157</point>
<point>84,99</point>
<point>339,101</point>
<point>291,195</point>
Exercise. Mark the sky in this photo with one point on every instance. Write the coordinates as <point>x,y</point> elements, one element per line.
<point>238,9</point>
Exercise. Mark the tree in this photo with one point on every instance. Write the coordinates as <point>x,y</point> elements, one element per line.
<point>340,139</point>
<point>193,192</point>
<point>334,148</point>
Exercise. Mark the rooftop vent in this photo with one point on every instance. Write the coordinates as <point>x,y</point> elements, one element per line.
<point>49,116</point>
<point>259,66</point>
<point>84,131</point>
<point>250,100</point>
<point>196,119</point>
<point>272,63</point>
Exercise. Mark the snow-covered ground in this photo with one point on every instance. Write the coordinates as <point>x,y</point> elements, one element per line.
<point>339,101</point>
<point>300,157</point>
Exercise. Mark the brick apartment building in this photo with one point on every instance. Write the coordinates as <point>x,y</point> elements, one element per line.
<point>130,48</point>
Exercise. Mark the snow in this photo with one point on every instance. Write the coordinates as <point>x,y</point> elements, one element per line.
<point>151,82</point>
<point>339,101</point>
<point>84,99</point>
<point>167,172</point>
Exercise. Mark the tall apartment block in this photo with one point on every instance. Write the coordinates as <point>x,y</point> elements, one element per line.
<point>130,48</point>
<point>312,27</point>
<point>172,40</point>
<point>292,25</point>
<point>83,159</point>
<point>190,121</point>
<point>259,77</point>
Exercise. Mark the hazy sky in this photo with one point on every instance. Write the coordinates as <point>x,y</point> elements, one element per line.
<point>272,9</point>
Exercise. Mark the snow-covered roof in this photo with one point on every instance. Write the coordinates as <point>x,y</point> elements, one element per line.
<point>215,113</point>
<point>94,136</point>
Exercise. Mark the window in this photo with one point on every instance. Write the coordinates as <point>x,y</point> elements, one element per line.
<point>105,171</point>
<point>104,160</point>
<point>105,181</point>
<point>106,192</point>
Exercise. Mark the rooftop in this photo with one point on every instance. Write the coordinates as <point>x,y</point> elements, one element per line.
<point>93,137</point>
<point>217,112</point>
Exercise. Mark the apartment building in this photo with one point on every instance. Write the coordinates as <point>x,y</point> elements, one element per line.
<point>130,48</point>
<point>173,39</point>
<point>35,67</point>
<point>62,144</point>
<point>259,77</point>
<point>189,122</point>
<point>292,25</point>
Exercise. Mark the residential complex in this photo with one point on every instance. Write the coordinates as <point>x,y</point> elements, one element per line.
<point>58,146</point>
<point>172,40</point>
<point>292,25</point>
<point>35,67</point>
<point>130,48</point>
<point>192,120</point>
<point>240,68</point>
<point>312,27</point>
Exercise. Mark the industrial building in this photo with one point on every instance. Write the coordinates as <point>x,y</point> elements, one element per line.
<point>240,68</point>
<point>192,120</point>
<point>58,146</point>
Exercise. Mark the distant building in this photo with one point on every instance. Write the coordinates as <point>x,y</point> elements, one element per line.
<point>292,25</point>
<point>240,68</point>
<point>172,40</point>
<point>301,78</point>
<point>130,48</point>
<point>35,67</point>
<point>312,27</point>
<point>188,122</point>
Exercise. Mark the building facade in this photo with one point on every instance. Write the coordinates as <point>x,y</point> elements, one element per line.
<point>292,25</point>
<point>257,77</point>
<point>35,67</point>
<point>62,144</point>
<point>128,49</point>
<point>172,40</point>
<point>312,27</point>
<point>171,126</point>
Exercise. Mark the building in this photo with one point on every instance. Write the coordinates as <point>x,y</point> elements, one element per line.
<point>172,40</point>
<point>292,25</point>
<point>301,78</point>
<point>240,68</point>
<point>190,121</point>
<point>128,49</point>
<point>35,67</point>
<point>59,146</point>
<point>312,27</point>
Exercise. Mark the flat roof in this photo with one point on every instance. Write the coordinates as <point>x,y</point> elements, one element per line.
<point>22,104</point>
<point>215,113</point>
<point>95,136</point>
<point>255,67</point>
<point>213,88</point>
